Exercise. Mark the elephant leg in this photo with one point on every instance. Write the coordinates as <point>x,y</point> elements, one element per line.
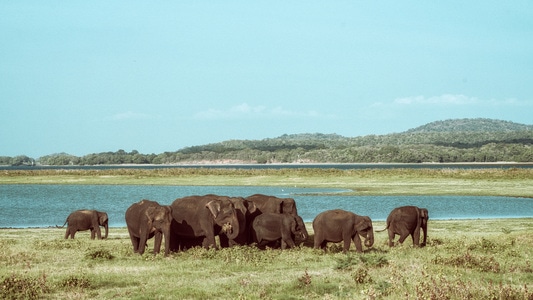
<point>288,242</point>
<point>283,244</point>
<point>67,233</point>
<point>357,242</point>
<point>98,232</point>
<point>416,237</point>
<point>391,238</point>
<point>209,241</point>
<point>92,234</point>
<point>134,243</point>
<point>157,242</point>
<point>403,236</point>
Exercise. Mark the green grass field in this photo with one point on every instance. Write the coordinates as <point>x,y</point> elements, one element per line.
<point>467,259</point>
<point>464,259</point>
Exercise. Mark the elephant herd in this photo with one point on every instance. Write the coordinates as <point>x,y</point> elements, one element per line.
<point>258,219</point>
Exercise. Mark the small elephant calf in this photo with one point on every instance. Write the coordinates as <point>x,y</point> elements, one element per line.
<point>85,219</point>
<point>146,219</point>
<point>269,227</point>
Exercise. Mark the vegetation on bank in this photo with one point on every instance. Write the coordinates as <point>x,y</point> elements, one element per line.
<point>459,140</point>
<point>467,259</point>
<point>446,181</point>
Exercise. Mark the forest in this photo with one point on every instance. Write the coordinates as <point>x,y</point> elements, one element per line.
<point>448,141</point>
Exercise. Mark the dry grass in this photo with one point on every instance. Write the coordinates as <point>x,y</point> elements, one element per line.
<point>468,259</point>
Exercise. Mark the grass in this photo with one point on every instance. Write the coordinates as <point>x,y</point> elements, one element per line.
<point>483,182</point>
<point>467,259</point>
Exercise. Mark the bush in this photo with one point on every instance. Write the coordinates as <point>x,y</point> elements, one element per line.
<point>18,286</point>
<point>75,281</point>
<point>99,254</point>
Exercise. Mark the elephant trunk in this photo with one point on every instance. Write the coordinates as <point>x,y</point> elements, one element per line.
<point>369,240</point>
<point>106,227</point>
<point>232,229</point>
<point>166,236</point>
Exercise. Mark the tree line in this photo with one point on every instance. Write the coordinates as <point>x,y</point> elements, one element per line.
<point>517,147</point>
<point>464,140</point>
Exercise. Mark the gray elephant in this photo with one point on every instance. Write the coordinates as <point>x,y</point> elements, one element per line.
<point>405,221</point>
<point>244,209</point>
<point>146,219</point>
<point>340,225</point>
<point>198,218</point>
<point>85,219</point>
<point>269,227</point>
<point>272,204</point>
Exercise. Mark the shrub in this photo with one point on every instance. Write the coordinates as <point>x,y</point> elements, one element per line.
<point>99,254</point>
<point>18,286</point>
<point>76,281</point>
<point>470,261</point>
<point>361,275</point>
<point>374,260</point>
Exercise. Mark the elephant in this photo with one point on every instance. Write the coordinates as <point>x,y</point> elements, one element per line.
<point>85,219</point>
<point>270,204</point>
<point>203,217</point>
<point>244,208</point>
<point>146,219</point>
<point>341,225</point>
<point>269,227</point>
<point>405,221</point>
<point>266,203</point>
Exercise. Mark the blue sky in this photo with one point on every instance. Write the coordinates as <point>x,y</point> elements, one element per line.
<point>85,77</point>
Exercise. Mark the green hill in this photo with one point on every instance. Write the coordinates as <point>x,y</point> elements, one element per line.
<point>471,125</point>
<point>456,140</point>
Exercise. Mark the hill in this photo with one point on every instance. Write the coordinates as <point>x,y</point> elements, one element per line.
<point>456,140</point>
<point>471,125</point>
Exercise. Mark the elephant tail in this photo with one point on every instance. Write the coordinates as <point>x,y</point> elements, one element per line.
<point>386,227</point>
<point>63,224</point>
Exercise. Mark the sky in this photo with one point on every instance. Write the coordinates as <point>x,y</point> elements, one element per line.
<point>84,77</point>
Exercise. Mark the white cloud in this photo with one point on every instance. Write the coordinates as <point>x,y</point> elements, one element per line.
<point>447,99</point>
<point>246,111</point>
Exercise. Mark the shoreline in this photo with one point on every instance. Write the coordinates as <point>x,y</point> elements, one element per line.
<point>309,223</point>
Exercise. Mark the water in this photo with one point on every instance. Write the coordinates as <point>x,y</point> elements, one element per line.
<point>49,205</point>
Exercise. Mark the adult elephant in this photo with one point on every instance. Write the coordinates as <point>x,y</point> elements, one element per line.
<point>270,227</point>
<point>341,225</point>
<point>203,217</point>
<point>244,208</point>
<point>146,219</point>
<point>272,204</point>
<point>85,219</point>
<point>405,221</point>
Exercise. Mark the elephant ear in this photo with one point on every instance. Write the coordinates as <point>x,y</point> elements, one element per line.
<point>102,218</point>
<point>362,224</point>
<point>214,207</point>
<point>148,213</point>
<point>250,205</point>
<point>294,222</point>
<point>424,213</point>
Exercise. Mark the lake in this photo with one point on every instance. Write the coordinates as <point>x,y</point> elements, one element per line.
<point>49,205</point>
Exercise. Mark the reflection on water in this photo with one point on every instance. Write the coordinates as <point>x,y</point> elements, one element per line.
<point>49,205</point>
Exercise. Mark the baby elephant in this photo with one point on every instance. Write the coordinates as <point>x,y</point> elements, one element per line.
<point>342,226</point>
<point>81,220</point>
<point>405,221</point>
<point>147,219</point>
<point>269,227</point>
